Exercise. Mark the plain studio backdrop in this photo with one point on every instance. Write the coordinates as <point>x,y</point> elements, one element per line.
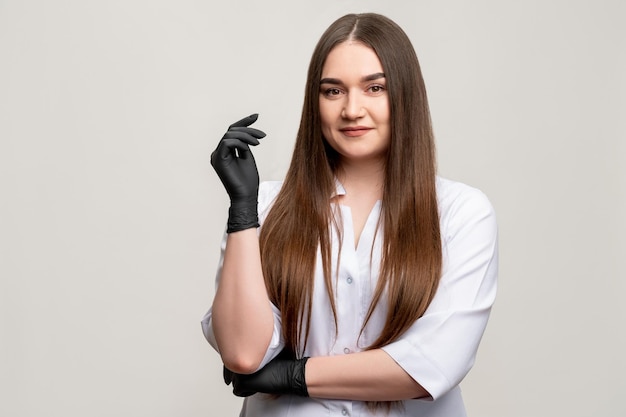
<point>111,216</point>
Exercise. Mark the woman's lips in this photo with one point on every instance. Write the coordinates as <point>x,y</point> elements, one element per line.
<point>355,131</point>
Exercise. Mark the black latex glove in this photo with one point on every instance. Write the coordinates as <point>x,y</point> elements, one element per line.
<point>282,375</point>
<point>234,164</point>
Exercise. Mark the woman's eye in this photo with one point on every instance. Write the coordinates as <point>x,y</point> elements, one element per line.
<point>332,92</point>
<point>376,88</point>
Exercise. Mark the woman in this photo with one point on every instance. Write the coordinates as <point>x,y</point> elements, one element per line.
<point>368,286</point>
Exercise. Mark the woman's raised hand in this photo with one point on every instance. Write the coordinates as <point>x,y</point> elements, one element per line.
<point>234,164</point>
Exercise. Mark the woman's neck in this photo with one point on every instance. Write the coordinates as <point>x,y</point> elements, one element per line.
<point>363,183</point>
<point>362,176</point>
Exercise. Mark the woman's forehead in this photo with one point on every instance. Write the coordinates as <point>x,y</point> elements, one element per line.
<point>351,58</point>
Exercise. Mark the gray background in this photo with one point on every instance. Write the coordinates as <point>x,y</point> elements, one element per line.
<point>111,217</point>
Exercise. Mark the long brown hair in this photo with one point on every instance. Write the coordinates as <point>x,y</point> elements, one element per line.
<point>299,222</point>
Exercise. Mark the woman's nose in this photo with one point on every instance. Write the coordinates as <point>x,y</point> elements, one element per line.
<point>353,108</point>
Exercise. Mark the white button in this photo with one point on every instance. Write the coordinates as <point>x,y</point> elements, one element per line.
<point>346,350</point>
<point>349,280</point>
<point>344,412</point>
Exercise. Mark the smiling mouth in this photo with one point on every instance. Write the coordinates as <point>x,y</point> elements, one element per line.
<point>355,131</point>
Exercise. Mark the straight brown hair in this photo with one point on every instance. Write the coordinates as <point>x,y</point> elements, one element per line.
<point>299,222</point>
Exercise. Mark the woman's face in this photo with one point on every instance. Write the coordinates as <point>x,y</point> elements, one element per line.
<point>354,104</point>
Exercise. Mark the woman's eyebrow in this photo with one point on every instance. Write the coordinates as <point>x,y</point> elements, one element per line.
<point>373,77</point>
<point>336,81</point>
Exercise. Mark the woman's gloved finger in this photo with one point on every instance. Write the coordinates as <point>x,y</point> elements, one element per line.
<point>228,375</point>
<point>250,130</point>
<point>246,121</point>
<point>242,136</point>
